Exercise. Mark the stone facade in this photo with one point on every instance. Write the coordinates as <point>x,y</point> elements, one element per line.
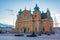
<point>39,22</point>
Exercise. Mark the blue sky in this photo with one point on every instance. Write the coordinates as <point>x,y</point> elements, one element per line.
<point>9,8</point>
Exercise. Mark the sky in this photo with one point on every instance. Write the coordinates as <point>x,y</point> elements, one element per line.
<point>9,9</point>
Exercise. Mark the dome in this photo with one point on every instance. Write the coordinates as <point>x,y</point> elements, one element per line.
<point>20,11</point>
<point>36,8</point>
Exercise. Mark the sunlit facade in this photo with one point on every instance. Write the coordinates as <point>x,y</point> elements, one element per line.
<point>38,21</point>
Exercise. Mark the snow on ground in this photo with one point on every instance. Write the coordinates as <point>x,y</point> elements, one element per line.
<point>42,37</point>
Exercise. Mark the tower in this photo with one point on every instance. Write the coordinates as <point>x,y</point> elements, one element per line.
<point>48,14</point>
<point>37,19</point>
<point>50,21</point>
<point>17,28</point>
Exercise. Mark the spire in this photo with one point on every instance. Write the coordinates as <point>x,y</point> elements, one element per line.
<point>36,8</point>
<point>48,14</point>
<point>48,10</point>
<point>42,11</point>
<point>20,11</point>
<point>25,9</point>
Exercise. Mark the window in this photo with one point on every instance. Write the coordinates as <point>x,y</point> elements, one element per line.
<point>25,16</point>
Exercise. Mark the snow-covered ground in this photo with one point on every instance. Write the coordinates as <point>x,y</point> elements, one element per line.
<point>42,37</point>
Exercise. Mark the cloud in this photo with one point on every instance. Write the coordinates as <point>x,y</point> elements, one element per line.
<point>9,10</point>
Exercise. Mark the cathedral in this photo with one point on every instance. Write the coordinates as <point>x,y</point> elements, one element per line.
<point>39,22</point>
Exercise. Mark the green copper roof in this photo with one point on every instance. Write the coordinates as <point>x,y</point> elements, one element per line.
<point>36,8</point>
<point>20,11</point>
<point>48,10</point>
<point>50,17</point>
<point>42,11</point>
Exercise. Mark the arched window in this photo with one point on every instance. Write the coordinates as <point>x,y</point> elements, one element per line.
<point>25,16</point>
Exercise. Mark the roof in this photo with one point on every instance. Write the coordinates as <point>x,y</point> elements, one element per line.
<point>43,15</point>
<point>20,11</point>
<point>36,8</point>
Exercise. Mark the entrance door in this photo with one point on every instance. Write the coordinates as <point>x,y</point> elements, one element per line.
<point>24,30</point>
<point>43,30</point>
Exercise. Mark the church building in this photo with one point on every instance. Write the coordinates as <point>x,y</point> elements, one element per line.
<point>39,22</point>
